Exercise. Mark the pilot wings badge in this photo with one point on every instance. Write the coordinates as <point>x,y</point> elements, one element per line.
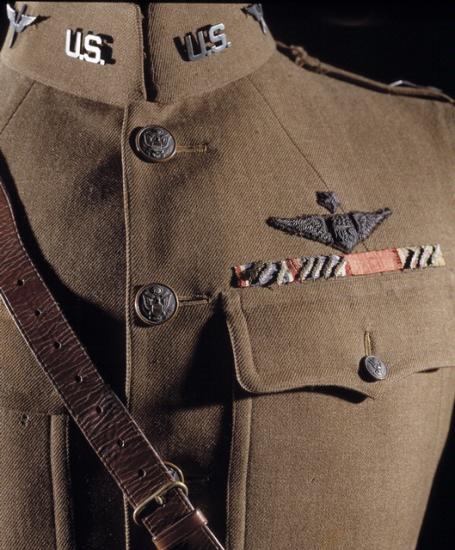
<point>341,231</point>
<point>18,21</point>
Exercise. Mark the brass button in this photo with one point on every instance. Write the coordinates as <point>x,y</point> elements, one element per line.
<point>375,367</point>
<point>155,144</point>
<point>155,303</point>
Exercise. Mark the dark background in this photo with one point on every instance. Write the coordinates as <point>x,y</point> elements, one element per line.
<point>386,43</point>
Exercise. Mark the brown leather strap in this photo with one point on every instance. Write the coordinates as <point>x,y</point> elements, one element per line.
<point>103,419</point>
<point>177,533</point>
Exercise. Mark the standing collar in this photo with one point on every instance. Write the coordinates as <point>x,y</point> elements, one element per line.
<point>111,52</point>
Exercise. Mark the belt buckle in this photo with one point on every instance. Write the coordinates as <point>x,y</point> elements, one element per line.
<point>158,495</point>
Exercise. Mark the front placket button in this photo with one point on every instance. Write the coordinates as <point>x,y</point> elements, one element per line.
<point>155,303</point>
<point>155,144</point>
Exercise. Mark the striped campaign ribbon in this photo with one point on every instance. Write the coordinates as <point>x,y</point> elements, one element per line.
<point>305,268</point>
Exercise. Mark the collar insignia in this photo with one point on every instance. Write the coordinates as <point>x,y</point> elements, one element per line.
<point>18,21</point>
<point>257,11</point>
<point>341,231</point>
<point>210,40</point>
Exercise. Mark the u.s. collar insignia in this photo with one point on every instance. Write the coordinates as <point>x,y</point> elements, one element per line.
<point>341,231</point>
<point>18,21</point>
<point>94,48</point>
<point>257,12</point>
<point>210,40</point>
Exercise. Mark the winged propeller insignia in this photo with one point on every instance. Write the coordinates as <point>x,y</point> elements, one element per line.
<point>341,231</point>
<point>18,21</point>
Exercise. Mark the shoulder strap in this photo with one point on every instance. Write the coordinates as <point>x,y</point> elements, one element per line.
<point>155,489</point>
<point>401,87</point>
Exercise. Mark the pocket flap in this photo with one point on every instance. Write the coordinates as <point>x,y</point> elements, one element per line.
<point>317,333</point>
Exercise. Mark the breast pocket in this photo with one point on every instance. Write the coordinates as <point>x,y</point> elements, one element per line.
<point>342,410</point>
<point>318,334</point>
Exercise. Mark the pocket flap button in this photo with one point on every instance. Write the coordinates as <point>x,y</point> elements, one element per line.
<point>376,368</point>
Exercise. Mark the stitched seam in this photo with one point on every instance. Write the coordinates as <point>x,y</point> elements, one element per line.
<point>50,84</point>
<point>248,472</point>
<point>127,208</point>
<point>10,118</point>
<point>236,345</point>
<point>294,143</point>
<point>250,344</point>
<point>147,57</point>
<point>140,51</point>
<point>232,495</point>
<point>229,496</point>
<point>128,320</point>
<point>71,518</point>
<point>53,481</point>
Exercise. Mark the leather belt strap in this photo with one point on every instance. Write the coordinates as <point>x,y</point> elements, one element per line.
<point>150,486</point>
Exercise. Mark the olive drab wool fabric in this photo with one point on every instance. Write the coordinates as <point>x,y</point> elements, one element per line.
<point>257,250</point>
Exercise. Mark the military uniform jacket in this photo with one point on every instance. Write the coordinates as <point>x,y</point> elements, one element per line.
<point>274,303</point>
